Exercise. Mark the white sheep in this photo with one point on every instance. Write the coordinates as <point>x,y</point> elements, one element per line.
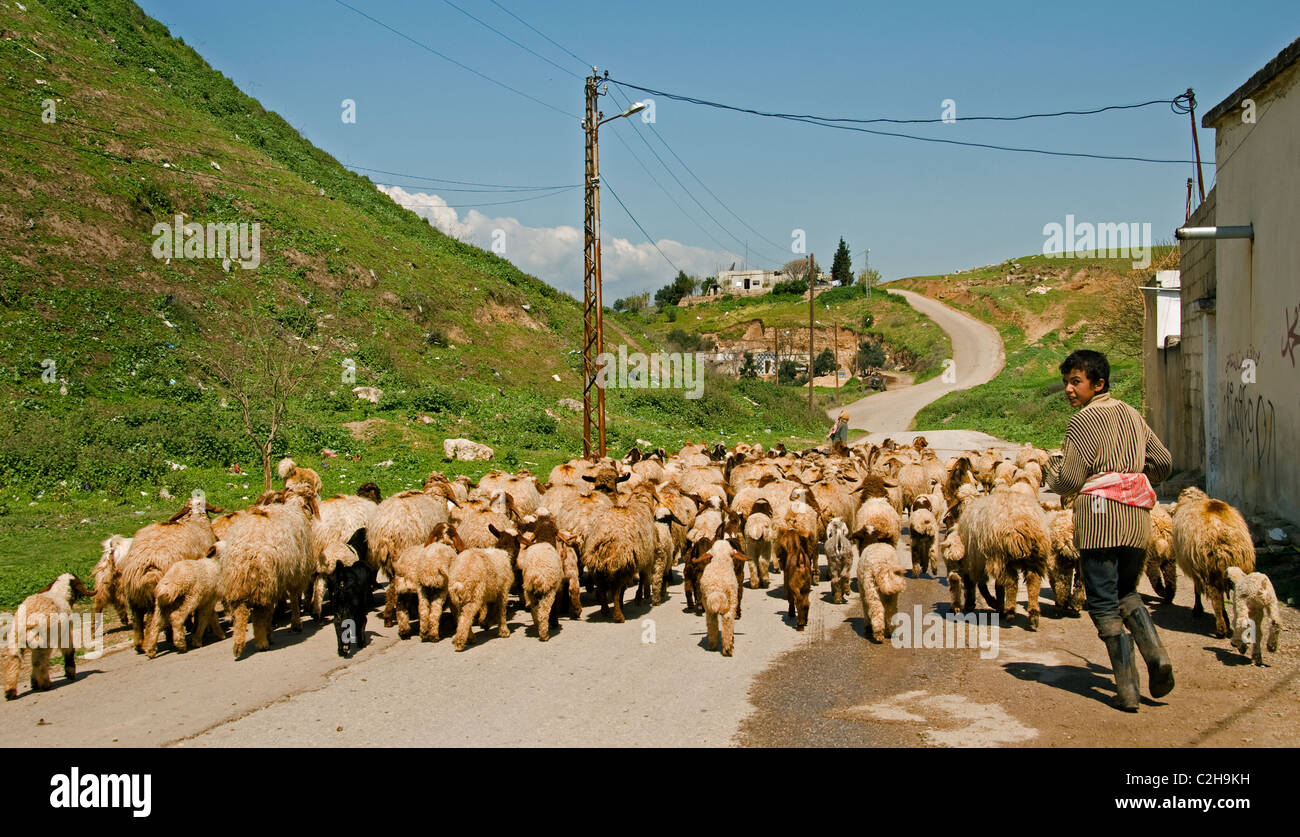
<point>719,590</point>
<point>1255,613</point>
<point>925,533</point>
<point>880,581</point>
<point>759,541</point>
<point>40,620</point>
<point>479,578</point>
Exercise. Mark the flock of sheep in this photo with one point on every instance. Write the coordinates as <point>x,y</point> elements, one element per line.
<point>613,525</point>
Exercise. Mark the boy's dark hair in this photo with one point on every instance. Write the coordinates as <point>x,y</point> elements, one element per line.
<point>1093,364</point>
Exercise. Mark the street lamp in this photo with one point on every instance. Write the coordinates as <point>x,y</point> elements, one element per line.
<point>593,309</point>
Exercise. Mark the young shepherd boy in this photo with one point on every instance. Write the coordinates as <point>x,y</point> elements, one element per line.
<point>1109,460</point>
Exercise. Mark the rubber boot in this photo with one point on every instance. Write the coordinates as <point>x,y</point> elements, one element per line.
<point>1160,669</point>
<point>1122,661</point>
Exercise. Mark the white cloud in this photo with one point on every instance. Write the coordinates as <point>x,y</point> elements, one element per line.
<point>554,254</point>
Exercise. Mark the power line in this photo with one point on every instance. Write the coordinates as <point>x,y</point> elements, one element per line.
<point>539,32</point>
<point>492,203</point>
<point>465,67</point>
<point>829,122</point>
<point>881,119</point>
<point>510,39</point>
<point>504,186</point>
<point>605,183</point>
<point>778,247</point>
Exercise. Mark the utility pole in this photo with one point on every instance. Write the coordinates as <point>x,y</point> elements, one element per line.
<point>812,287</point>
<point>835,331</point>
<point>1196,143</point>
<point>592,309</point>
<point>593,305</point>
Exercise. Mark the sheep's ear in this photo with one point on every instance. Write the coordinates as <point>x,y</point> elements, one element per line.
<point>588,478</point>
<point>212,551</point>
<point>624,477</point>
<point>456,542</point>
<point>180,514</point>
<point>437,533</point>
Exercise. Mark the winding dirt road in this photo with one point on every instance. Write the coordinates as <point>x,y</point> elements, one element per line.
<point>977,357</point>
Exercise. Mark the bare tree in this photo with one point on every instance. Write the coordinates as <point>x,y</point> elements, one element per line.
<point>261,366</point>
<point>1120,318</point>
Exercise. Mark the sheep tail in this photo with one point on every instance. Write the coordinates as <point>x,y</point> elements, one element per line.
<point>18,626</point>
<point>888,582</point>
<point>716,602</point>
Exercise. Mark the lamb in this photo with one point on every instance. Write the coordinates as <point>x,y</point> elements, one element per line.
<point>1005,534</point>
<point>803,518</point>
<point>1209,536</point>
<point>925,531</point>
<point>1254,608</point>
<point>1064,572</point>
<point>719,588</point>
<point>477,579</point>
<point>41,618</point>
<point>293,475</point>
<point>187,535</point>
<point>268,555</point>
<point>402,521</point>
<point>759,539</point>
<point>1161,568</point>
<point>709,526</point>
<point>188,588</point>
<point>108,577</point>
<point>880,581</point>
<point>840,555</point>
<point>423,571</point>
<point>349,583</point>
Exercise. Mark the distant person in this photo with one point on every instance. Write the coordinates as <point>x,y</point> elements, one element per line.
<point>1109,460</point>
<point>840,429</point>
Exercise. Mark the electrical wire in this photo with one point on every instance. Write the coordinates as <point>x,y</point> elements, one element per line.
<point>832,122</point>
<point>510,39</point>
<point>606,184</point>
<point>465,67</point>
<point>492,203</point>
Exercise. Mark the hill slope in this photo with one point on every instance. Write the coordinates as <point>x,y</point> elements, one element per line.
<point>106,386</point>
<point>1044,307</point>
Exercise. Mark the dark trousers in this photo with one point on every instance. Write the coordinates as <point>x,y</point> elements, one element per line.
<point>1109,575</point>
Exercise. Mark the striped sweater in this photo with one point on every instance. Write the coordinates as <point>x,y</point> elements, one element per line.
<point>1107,435</point>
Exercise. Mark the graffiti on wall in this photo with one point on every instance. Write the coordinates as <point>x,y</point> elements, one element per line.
<point>1251,427</point>
<point>1290,339</point>
<point>1246,361</point>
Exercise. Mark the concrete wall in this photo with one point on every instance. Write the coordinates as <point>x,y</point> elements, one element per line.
<point>1175,376</point>
<point>1256,423</point>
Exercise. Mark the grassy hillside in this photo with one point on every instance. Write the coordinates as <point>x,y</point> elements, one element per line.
<point>106,399</point>
<point>1084,298</point>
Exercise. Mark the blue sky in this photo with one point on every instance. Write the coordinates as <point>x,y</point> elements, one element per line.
<point>921,207</point>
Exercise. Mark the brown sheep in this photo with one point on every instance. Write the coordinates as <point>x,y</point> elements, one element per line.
<point>108,577</point>
<point>187,535</point>
<point>1209,536</point>
<point>188,588</point>
<point>1161,568</point>
<point>402,521</point>
<point>478,579</point>
<point>1005,534</point>
<point>620,548</point>
<point>925,531</point>
<point>423,571</point>
<point>1064,572</point>
<point>880,581</point>
<point>268,555</point>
